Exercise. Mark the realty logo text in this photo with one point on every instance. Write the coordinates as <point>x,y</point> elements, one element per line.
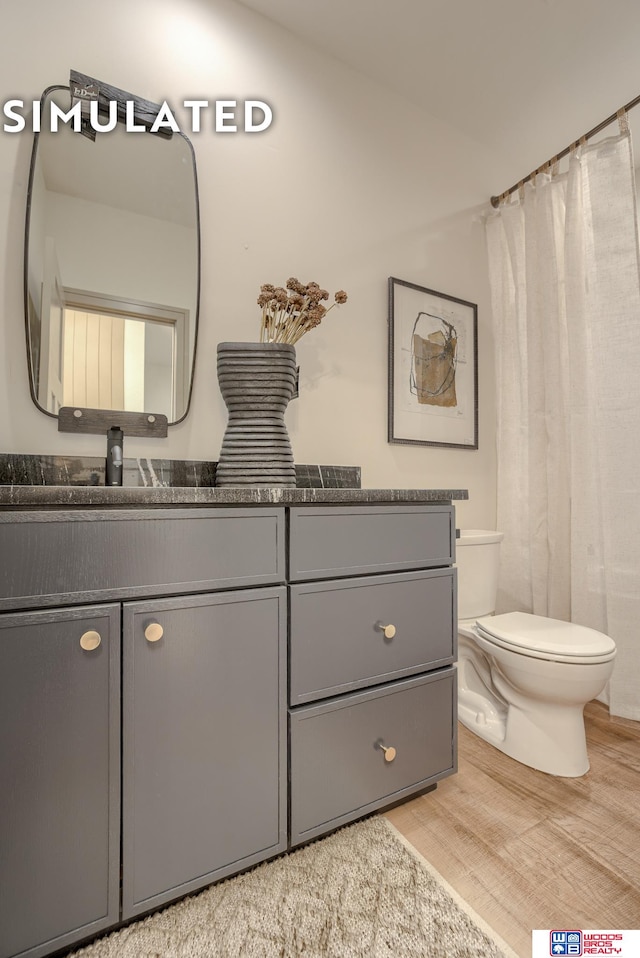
<point>574,942</point>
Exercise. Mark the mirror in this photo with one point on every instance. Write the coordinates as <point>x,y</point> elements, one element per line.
<point>112,269</point>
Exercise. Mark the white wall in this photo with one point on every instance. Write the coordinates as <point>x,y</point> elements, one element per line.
<point>101,262</point>
<point>348,187</point>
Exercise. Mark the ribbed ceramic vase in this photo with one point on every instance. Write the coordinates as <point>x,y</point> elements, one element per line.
<point>257,381</point>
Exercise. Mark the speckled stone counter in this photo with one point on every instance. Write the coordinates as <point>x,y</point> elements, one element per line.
<point>33,470</point>
<point>27,480</point>
<point>123,496</point>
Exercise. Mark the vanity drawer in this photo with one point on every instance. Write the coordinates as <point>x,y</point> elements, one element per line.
<point>338,770</point>
<point>331,541</point>
<point>337,638</point>
<point>62,557</point>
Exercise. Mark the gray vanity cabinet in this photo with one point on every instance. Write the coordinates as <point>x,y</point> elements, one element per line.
<point>59,777</point>
<point>204,738</point>
<point>202,751</point>
<point>186,692</point>
<point>372,695</point>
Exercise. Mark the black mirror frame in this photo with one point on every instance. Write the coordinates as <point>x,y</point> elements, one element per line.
<point>102,419</point>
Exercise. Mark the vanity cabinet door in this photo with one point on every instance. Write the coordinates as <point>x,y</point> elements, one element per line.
<point>59,780</point>
<point>328,542</point>
<point>352,633</point>
<point>204,738</point>
<point>70,557</point>
<point>354,753</point>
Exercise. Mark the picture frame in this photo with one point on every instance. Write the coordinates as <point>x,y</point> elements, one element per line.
<point>433,368</point>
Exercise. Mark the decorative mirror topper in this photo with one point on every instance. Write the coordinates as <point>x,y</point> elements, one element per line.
<point>112,268</point>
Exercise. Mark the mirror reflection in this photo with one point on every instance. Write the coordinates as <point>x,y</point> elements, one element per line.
<point>111,269</point>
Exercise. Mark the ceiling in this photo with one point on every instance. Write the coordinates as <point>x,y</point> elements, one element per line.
<point>524,77</point>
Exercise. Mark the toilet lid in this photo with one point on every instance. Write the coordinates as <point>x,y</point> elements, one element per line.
<point>524,632</point>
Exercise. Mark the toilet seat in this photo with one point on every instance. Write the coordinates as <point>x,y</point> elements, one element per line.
<point>542,638</point>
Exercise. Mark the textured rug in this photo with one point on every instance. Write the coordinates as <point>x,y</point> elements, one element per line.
<point>362,892</point>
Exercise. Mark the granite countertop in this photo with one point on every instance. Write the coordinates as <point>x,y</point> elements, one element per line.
<point>127,496</point>
<point>30,480</point>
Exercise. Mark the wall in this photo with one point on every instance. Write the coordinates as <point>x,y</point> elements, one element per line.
<point>349,186</point>
<point>102,262</point>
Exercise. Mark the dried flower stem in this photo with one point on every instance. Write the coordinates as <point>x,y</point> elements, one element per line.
<point>287,314</point>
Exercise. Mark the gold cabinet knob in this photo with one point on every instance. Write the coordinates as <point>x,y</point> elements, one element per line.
<point>389,752</point>
<point>388,630</point>
<point>153,632</point>
<point>90,640</point>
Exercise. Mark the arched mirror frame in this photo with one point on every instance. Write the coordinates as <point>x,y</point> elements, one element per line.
<point>72,419</point>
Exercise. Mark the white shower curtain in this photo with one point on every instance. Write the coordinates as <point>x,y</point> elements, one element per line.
<point>565,287</point>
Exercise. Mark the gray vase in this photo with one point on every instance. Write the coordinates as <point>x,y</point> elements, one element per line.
<point>257,380</point>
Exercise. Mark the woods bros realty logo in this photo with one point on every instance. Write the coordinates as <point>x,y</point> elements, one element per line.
<point>562,942</point>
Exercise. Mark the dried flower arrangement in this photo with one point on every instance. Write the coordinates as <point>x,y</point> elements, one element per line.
<point>287,314</point>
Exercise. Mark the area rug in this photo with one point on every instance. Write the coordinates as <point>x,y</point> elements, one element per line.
<point>362,892</point>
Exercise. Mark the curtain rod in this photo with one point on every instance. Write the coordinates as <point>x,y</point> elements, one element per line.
<point>495,200</point>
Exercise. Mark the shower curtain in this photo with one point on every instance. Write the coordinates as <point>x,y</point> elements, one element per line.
<point>565,289</point>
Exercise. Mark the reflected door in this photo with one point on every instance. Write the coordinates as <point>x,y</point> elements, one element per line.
<point>50,386</point>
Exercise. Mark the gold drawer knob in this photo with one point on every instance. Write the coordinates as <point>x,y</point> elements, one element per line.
<point>90,640</point>
<point>389,752</point>
<point>388,630</point>
<point>153,632</point>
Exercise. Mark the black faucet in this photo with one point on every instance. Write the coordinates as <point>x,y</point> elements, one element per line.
<point>113,466</point>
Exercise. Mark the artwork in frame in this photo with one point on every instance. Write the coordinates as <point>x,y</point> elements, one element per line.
<point>433,367</point>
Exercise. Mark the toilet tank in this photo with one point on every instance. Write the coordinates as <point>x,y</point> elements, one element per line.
<point>477,561</point>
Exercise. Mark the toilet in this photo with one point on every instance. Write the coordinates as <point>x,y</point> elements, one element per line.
<point>523,680</point>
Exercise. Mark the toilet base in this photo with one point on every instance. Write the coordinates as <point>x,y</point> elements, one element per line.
<point>545,734</point>
<point>488,719</point>
<point>551,741</point>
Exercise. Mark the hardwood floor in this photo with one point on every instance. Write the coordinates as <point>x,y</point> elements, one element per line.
<point>528,850</point>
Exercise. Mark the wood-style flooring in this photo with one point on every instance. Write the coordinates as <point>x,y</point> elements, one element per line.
<point>528,850</point>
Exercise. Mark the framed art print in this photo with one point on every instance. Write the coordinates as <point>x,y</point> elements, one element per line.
<point>433,367</point>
